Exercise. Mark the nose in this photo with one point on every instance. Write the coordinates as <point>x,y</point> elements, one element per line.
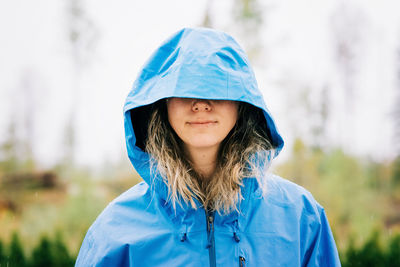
<point>201,105</point>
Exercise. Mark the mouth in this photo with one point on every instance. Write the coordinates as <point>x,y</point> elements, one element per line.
<point>202,123</point>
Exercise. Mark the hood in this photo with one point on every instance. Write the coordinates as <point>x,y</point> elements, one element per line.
<point>193,63</point>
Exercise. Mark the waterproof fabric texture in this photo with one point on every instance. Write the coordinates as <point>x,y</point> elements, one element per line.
<point>284,227</point>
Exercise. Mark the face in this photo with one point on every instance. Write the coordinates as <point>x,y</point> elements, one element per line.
<point>202,123</point>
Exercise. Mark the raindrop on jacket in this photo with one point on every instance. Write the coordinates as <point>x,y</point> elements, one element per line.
<point>284,227</point>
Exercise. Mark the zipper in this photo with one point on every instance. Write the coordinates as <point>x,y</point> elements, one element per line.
<point>242,261</point>
<point>210,238</point>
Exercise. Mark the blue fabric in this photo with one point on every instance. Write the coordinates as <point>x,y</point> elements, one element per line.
<point>285,227</point>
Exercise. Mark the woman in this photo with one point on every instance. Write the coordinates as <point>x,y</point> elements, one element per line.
<point>200,136</point>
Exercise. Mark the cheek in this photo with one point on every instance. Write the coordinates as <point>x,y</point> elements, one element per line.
<point>174,118</point>
<point>233,115</point>
<point>231,124</point>
<point>229,121</point>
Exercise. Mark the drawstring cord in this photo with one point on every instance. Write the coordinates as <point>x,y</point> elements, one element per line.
<point>184,234</point>
<point>235,235</point>
<point>183,237</point>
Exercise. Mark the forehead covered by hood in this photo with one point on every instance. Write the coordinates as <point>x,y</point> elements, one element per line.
<point>193,63</point>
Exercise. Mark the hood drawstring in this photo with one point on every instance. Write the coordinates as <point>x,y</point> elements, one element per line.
<point>183,237</point>
<point>184,234</point>
<point>235,235</point>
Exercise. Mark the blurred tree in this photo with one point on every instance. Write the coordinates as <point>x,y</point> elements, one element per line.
<point>396,119</point>
<point>372,254</point>
<point>307,102</point>
<point>207,20</point>
<point>30,90</point>
<point>60,252</point>
<point>69,141</point>
<point>351,256</point>
<point>9,150</point>
<point>82,32</point>
<point>374,175</point>
<point>2,255</point>
<point>18,148</point>
<point>396,172</point>
<point>393,253</point>
<point>42,254</point>
<point>17,151</point>
<point>397,105</point>
<point>16,254</point>
<point>320,113</point>
<point>82,36</point>
<point>300,154</point>
<point>339,182</point>
<point>348,24</point>
<point>248,20</point>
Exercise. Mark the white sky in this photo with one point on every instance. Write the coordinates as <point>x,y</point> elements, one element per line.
<point>299,52</point>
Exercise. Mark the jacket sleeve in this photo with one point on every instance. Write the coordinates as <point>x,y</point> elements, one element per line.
<point>322,249</point>
<point>85,252</point>
<point>95,251</point>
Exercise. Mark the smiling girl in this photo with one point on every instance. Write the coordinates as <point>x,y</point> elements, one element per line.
<point>199,134</point>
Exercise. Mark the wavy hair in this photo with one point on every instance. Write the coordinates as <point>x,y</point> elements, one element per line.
<point>245,152</point>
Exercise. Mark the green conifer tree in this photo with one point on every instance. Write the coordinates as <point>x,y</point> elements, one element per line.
<point>2,255</point>
<point>371,254</point>
<point>42,254</point>
<point>393,254</point>
<point>16,254</point>
<point>396,172</point>
<point>351,256</point>
<point>60,253</point>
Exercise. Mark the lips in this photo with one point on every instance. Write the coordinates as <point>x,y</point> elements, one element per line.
<point>201,123</point>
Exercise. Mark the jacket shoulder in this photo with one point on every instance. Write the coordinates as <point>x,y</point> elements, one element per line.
<point>285,193</point>
<point>130,219</point>
<point>135,211</point>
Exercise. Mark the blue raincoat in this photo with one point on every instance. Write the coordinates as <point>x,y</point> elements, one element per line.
<point>284,227</point>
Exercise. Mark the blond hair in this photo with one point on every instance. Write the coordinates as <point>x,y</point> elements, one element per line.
<point>244,153</point>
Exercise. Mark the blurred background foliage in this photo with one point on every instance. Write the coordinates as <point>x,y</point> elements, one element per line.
<point>46,211</point>
<point>45,215</point>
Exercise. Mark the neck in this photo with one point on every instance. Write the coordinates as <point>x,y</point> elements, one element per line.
<point>204,160</point>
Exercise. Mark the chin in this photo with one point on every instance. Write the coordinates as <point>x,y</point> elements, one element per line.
<point>204,143</point>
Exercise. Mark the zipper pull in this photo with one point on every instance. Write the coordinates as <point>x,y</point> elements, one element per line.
<point>242,261</point>
<point>211,221</point>
<point>210,229</point>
